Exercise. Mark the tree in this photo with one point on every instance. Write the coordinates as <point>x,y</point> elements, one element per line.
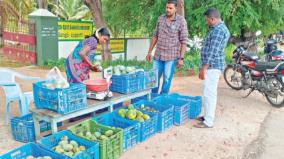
<point>95,7</point>
<point>17,9</point>
<point>180,9</point>
<point>69,9</point>
<point>41,3</point>
<point>13,11</point>
<point>242,17</point>
<point>131,16</point>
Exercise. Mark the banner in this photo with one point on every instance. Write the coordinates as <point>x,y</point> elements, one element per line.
<point>116,45</point>
<point>74,30</point>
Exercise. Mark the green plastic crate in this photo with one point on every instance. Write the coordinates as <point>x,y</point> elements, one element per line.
<point>110,148</point>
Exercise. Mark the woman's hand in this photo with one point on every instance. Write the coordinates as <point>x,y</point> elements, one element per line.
<point>94,68</point>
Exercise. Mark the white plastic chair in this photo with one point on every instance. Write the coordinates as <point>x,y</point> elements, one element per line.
<point>13,91</point>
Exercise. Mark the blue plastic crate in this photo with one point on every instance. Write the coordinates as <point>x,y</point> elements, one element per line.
<point>149,127</point>
<point>115,106</point>
<point>195,104</point>
<point>131,130</point>
<point>23,129</point>
<point>63,101</point>
<point>141,76</point>
<point>92,148</point>
<point>104,110</point>
<point>181,108</point>
<point>150,78</point>
<point>165,114</point>
<point>128,83</point>
<point>153,96</point>
<point>30,149</point>
<point>118,105</point>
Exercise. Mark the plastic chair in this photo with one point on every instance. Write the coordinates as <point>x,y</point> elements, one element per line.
<point>13,91</point>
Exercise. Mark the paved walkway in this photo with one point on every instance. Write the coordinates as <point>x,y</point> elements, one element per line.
<point>270,142</point>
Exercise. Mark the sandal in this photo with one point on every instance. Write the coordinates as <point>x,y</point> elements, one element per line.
<point>201,125</point>
<point>201,118</point>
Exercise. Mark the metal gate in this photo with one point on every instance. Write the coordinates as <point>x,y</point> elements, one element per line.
<point>20,41</point>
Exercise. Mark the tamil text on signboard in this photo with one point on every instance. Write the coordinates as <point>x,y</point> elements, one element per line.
<point>116,46</point>
<point>74,30</point>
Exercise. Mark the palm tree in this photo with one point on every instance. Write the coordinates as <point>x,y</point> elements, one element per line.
<point>23,7</point>
<point>70,9</point>
<point>14,11</point>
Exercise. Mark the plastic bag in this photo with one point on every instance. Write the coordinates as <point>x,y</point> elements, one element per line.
<point>55,79</point>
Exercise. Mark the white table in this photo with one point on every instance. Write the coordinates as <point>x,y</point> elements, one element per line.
<point>93,105</point>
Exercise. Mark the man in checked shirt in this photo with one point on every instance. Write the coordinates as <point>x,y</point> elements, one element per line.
<point>212,64</point>
<point>171,35</point>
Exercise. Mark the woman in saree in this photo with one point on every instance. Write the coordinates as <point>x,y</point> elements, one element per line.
<point>79,62</point>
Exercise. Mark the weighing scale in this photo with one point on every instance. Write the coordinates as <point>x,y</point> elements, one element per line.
<point>103,95</point>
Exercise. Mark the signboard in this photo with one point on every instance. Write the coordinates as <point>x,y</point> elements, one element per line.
<point>116,45</point>
<point>74,30</point>
<point>48,31</point>
<point>77,30</point>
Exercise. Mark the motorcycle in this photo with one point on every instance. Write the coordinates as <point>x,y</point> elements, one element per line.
<point>248,73</point>
<point>271,51</point>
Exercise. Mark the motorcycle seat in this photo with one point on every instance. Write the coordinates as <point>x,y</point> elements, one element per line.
<point>276,53</point>
<point>263,66</point>
<point>251,56</point>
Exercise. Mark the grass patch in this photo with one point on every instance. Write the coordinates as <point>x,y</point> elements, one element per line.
<point>191,62</point>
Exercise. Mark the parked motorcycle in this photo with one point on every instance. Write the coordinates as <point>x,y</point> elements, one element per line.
<point>271,51</point>
<point>248,73</point>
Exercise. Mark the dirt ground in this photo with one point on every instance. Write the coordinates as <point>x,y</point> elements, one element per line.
<point>237,125</point>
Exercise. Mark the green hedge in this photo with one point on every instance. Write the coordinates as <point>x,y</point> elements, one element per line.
<point>191,61</point>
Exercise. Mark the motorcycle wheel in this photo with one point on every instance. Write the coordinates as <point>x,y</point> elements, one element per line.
<point>275,86</point>
<point>233,78</point>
